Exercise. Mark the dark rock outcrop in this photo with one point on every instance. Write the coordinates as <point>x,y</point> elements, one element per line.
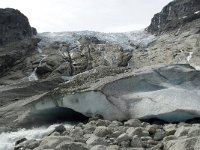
<point>14,26</point>
<point>13,54</point>
<point>174,15</point>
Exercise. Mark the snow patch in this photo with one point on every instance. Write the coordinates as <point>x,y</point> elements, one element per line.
<point>197,12</point>
<point>189,56</point>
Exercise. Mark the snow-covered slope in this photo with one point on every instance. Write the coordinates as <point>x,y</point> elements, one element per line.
<point>127,40</point>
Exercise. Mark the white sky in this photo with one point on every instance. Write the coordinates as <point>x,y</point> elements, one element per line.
<point>96,15</point>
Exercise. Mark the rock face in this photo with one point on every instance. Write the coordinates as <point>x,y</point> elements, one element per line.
<point>178,37</point>
<point>14,26</point>
<point>13,55</point>
<point>174,15</point>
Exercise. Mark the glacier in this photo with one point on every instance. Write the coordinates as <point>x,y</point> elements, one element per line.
<point>170,93</point>
<point>127,40</point>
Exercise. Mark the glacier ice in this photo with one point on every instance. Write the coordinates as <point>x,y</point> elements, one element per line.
<point>127,40</point>
<point>170,93</point>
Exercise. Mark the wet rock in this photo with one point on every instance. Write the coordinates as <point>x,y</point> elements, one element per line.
<point>28,144</point>
<point>20,141</point>
<point>43,69</point>
<point>60,129</point>
<point>31,144</point>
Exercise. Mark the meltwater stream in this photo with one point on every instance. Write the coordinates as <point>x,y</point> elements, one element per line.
<point>8,139</point>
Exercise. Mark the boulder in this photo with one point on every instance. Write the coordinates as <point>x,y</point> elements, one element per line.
<point>60,129</point>
<point>102,131</point>
<point>159,135</point>
<point>20,141</point>
<point>28,144</point>
<point>136,131</point>
<point>132,123</point>
<point>151,129</point>
<point>123,137</point>
<point>77,134</point>
<point>53,141</point>
<point>136,142</point>
<point>94,140</point>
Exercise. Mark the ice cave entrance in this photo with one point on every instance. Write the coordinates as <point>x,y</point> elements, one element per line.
<point>56,115</point>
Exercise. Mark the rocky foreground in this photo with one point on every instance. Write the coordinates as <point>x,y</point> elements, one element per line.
<point>113,135</point>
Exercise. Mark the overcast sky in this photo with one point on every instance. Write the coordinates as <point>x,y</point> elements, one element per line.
<point>97,15</point>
